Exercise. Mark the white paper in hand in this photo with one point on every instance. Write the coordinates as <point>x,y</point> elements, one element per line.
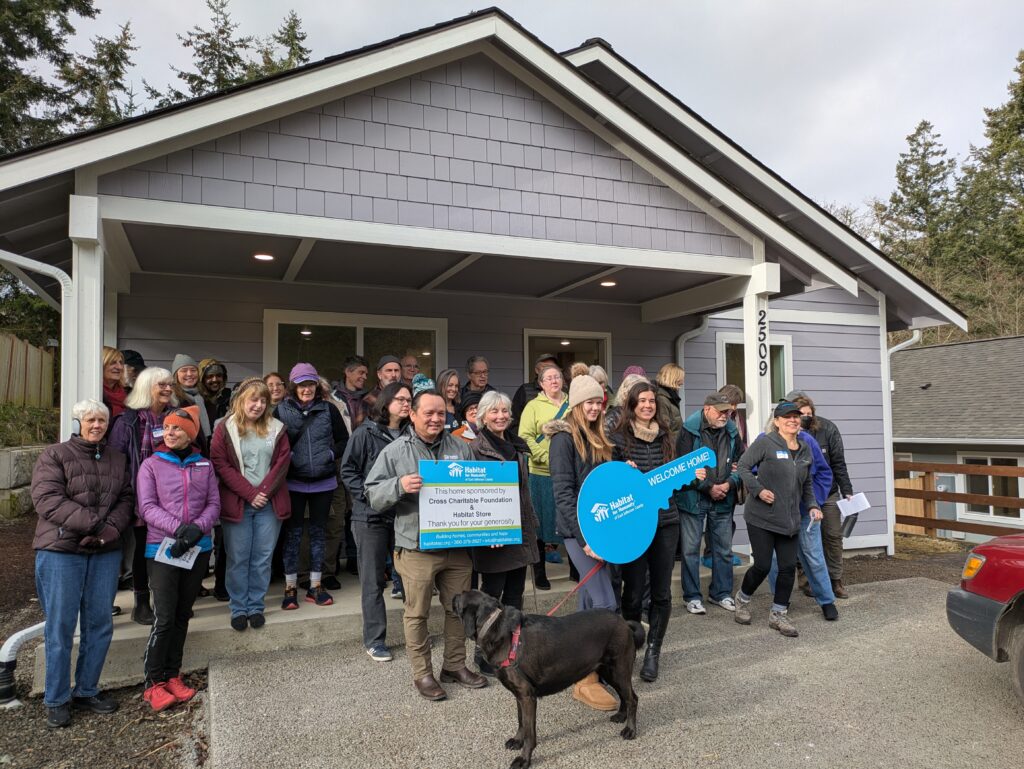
<point>854,504</point>
<point>184,562</point>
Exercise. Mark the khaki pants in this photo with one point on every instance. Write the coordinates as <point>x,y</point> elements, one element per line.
<point>451,570</point>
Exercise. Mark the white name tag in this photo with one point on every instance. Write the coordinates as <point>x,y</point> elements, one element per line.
<point>202,464</point>
<point>782,454</point>
<point>158,434</point>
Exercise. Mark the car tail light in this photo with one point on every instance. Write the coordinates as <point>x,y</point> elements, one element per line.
<point>973,566</point>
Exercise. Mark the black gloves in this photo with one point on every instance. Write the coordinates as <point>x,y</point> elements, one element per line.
<point>185,537</point>
<point>103,535</point>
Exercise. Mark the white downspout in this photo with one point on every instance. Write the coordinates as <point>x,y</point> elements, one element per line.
<point>67,348</point>
<point>681,341</point>
<point>914,339</point>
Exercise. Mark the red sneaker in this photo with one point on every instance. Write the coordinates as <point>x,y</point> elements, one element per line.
<point>158,697</point>
<point>178,688</point>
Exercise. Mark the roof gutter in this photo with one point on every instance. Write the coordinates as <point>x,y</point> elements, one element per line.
<point>67,347</point>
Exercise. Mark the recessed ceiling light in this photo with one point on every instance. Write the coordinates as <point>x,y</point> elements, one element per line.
<point>565,343</point>
<point>608,283</point>
<point>263,257</point>
<point>426,353</point>
<point>306,332</point>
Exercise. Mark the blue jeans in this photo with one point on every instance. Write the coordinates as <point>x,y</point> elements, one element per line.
<point>692,530</point>
<point>75,587</point>
<point>812,559</point>
<point>250,547</point>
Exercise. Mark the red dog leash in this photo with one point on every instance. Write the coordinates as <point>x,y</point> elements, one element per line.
<point>581,583</point>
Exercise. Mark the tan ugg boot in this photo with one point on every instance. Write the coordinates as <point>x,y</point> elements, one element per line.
<point>593,694</point>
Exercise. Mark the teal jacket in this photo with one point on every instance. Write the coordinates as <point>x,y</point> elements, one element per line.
<point>690,440</point>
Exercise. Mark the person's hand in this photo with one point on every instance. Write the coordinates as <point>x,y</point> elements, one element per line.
<point>720,491</point>
<point>767,496</point>
<point>411,483</point>
<point>632,464</point>
<point>495,547</point>
<point>849,497</point>
<point>90,543</point>
<point>735,467</point>
<point>701,473</point>
<point>590,553</point>
<point>815,514</point>
<point>179,548</point>
<point>259,501</point>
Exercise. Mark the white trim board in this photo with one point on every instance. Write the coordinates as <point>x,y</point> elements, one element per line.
<point>887,447</point>
<point>141,211</point>
<point>272,318</point>
<point>808,316</point>
<point>606,336</point>
<point>758,173</point>
<point>963,441</point>
<point>960,481</point>
<point>722,338</point>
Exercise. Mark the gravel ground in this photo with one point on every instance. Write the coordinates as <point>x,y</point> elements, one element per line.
<point>134,735</point>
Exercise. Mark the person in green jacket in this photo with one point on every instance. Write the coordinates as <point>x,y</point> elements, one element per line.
<point>550,404</point>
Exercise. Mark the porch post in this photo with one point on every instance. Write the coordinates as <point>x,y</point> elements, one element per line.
<point>82,365</point>
<point>764,281</point>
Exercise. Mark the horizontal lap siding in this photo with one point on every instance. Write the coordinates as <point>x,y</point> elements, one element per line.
<point>463,147</point>
<point>224,319</point>
<point>839,367</point>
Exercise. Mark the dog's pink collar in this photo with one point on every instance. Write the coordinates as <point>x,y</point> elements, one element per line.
<point>513,650</point>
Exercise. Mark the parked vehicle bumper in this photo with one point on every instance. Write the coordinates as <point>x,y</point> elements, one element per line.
<point>974,618</point>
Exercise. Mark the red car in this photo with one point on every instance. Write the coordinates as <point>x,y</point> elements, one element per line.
<point>987,610</point>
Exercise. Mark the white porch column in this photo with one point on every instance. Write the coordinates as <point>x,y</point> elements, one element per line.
<point>82,375</point>
<point>764,281</point>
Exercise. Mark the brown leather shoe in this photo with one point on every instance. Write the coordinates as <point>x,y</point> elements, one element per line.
<point>429,688</point>
<point>805,587</point>
<point>838,589</point>
<point>464,676</point>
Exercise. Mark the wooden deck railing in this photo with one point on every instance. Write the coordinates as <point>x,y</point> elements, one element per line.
<point>928,495</point>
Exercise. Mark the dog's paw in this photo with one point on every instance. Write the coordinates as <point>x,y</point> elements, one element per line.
<point>519,763</point>
<point>628,733</point>
<point>619,717</point>
<point>513,743</point>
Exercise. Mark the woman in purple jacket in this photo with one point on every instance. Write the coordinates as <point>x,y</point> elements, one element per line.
<point>179,500</point>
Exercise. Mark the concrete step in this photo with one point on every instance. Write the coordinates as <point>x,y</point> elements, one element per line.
<point>210,635</point>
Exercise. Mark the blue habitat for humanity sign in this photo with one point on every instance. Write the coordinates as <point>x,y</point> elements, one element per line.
<point>618,505</point>
<point>469,504</point>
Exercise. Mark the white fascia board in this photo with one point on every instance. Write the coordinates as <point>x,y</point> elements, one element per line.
<point>141,211</point>
<point>963,441</point>
<point>727,150</point>
<point>558,70</point>
<point>287,94</point>
<point>808,316</point>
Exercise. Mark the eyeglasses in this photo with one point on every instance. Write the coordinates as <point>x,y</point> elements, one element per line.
<point>478,373</point>
<point>724,412</point>
<point>402,400</point>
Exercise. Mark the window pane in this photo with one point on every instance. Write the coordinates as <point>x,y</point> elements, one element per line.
<point>399,342</point>
<point>589,351</point>
<point>1005,487</point>
<point>977,484</point>
<point>326,347</point>
<point>735,371</point>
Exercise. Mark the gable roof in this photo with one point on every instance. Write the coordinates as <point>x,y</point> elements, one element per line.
<point>750,193</point>
<point>936,387</point>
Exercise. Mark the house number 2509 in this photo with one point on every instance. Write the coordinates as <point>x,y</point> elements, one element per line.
<point>762,343</point>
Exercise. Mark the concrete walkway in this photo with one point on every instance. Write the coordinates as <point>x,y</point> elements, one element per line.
<point>887,685</point>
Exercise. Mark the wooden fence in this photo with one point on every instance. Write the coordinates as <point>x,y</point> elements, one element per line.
<point>26,373</point>
<point>916,498</point>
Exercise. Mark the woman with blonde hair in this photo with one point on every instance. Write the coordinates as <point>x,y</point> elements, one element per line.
<point>139,433</point>
<point>578,445</point>
<point>251,454</point>
<point>669,380</point>
<point>114,381</point>
<point>448,388</point>
<point>601,376</point>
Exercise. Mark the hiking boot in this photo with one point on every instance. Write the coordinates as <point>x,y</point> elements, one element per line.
<point>593,694</point>
<point>779,620</point>
<point>742,615</point>
<point>239,622</point>
<point>291,599</point>
<point>58,717</point>
<point>158,697</point>
<point>181,691</point>
<point>463,676</point>
<point>97,704</point>
<point>319,596</point>
<point>143,611</point>
<point>429,688</point>
<point>696,606</point>
<point>838,590</point>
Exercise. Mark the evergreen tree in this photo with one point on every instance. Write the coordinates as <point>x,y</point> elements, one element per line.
<point>218,55</point>
<point>96,84</point>
<point>289,39</point>
<point>24,314</point>
<point>33,109</point>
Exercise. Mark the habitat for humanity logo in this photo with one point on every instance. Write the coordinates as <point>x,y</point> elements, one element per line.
<point>455,470</point>
<point>600,512</point>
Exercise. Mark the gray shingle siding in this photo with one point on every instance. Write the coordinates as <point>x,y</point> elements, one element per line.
<point>468,122</point>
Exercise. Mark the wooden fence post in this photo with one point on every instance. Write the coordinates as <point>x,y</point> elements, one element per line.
<point>929,504</point>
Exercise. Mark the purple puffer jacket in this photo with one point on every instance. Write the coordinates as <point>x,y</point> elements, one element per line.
<point>172,492</point>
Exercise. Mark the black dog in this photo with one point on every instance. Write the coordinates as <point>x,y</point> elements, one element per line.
<point>549,654</point>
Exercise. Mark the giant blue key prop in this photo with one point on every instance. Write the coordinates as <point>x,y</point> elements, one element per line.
<point>618,505</point>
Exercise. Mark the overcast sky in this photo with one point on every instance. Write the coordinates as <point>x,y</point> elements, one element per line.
<point>822,91</point>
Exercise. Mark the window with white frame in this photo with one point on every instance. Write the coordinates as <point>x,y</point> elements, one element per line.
<point>568,347</point>
<point>732,366</point>
<point>990,486</point>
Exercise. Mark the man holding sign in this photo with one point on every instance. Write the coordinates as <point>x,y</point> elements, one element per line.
<point>394,483</point>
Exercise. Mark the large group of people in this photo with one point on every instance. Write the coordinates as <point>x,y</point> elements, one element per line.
<point>174,470</point>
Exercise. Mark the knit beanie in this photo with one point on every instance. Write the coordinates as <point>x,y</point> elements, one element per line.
<point>638,370</point>
<point>421,382</point>
<point>583,388</point>
<point>469,399</point>
<point>180,361</point>
<point>385,360</point>
<point>185,417</point>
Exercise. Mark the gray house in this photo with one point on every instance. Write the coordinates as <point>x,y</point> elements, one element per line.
<point>956,404</point>
<point>463,190</point>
